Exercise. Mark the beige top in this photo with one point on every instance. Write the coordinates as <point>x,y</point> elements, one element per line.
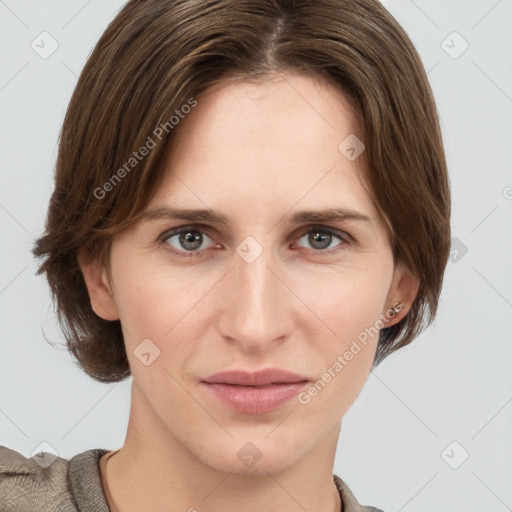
<point>104,483</point>
<point>48,484</point>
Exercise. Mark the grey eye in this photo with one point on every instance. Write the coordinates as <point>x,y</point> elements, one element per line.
<point>188,239</point>
<point>320,239</point>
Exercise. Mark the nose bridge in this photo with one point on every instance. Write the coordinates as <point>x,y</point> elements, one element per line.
<point>255,281</point>
<point>255,312</point>
<point>254,277</point>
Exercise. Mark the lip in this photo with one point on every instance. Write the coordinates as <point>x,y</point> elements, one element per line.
<point>256,392</point>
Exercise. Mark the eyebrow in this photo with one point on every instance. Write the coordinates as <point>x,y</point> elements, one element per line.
<point>216,216</point>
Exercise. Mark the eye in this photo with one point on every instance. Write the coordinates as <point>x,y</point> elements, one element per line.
<point>321,239</point>
<point>187,242</point>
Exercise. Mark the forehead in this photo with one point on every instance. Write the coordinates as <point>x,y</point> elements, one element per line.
<point>289,108</point>
<point>265,146</point>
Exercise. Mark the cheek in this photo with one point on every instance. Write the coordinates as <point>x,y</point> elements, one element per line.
<point>350,307</point>
<point>140,301</point>
<point>348,301</point>
<point>159,303</point>
<point>151,307</point>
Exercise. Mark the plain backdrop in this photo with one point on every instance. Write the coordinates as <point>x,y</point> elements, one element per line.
<point>432,428</point>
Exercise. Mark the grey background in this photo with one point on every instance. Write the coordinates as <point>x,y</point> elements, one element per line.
<point>452,384</point>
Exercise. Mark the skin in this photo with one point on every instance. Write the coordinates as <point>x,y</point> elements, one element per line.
<point>257,152</point>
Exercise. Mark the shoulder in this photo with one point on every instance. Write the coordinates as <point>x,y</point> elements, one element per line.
<point>26,484</point>
<point>45,483</point>
<point>350,503</point>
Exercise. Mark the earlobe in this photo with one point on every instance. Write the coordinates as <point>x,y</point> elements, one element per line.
<point>401,295</point>
<point>100,292</point>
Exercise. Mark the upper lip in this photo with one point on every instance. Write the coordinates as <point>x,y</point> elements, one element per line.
<point>259,378</point>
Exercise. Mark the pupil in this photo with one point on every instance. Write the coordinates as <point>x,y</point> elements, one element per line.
<point>323,239</point>
<point>190,241</point>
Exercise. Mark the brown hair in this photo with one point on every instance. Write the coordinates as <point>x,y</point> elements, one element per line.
<point>156,56</point>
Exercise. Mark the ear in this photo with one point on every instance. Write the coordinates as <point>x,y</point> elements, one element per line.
<point>100,291</point>
<point>403,290</point>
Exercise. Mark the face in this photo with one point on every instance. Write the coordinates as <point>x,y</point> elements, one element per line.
<point>269,286</point>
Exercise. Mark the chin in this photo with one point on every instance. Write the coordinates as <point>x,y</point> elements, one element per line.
<point>258,457</point>
<point>273,464</point>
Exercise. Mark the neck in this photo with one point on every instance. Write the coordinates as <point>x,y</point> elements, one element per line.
<point>157,473</point>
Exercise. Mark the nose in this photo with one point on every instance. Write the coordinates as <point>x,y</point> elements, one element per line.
<point>257,307</point>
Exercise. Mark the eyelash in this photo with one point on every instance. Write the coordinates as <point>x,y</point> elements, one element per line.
<point>344,237</point>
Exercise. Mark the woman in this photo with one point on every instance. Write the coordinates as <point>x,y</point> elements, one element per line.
<point>251,210</point>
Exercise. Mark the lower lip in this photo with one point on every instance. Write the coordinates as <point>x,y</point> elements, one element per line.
<point>250,400</point>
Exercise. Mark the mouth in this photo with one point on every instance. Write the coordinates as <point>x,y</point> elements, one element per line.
<point>268,376</point>
<point>257,392</point>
